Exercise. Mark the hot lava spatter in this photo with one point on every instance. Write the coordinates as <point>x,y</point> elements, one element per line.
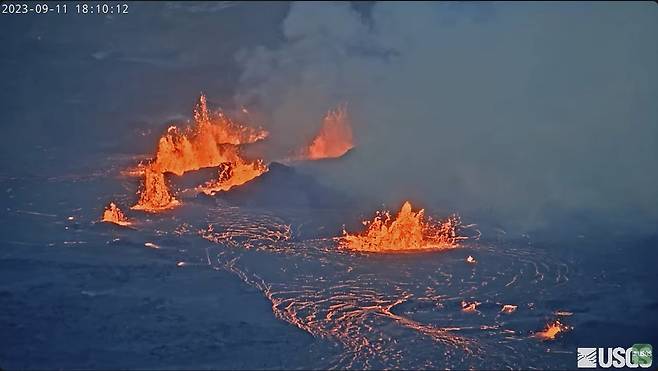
<point>551,331</point>
<point>334,138</point>
<point>212,140</point>
<point>112,214</point>
<point>154,195</point>
<point>408,231</point>
<point>232,175</point>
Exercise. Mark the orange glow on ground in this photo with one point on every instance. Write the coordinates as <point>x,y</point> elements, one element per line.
<point>408,231</point>
<point>112,214</point>
<point>234,174</point>
<point>551,331</point>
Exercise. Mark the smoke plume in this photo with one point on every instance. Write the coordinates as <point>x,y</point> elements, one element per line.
<point>516,112</point>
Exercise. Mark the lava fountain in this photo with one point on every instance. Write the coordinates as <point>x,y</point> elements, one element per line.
<point>154,195</point>
<point>212,140</point>
<point>334,138</point>
<point>409,231</point>
<point>112,214</point>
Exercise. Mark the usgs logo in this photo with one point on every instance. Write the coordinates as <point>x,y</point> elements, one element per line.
<point>639,355</point>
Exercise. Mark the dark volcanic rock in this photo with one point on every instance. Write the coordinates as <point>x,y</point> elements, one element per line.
<point>283,187</point>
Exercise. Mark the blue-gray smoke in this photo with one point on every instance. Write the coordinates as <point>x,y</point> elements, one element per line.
<point>516,111</point>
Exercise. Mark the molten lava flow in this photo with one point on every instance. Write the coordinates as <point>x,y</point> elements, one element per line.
<point>552,330</point>
<point>408,231</point>
<point>334,138</point>
<point>234,174</point>
<point>212,141</point>
<point>113,214</point>
<point>154,195</point>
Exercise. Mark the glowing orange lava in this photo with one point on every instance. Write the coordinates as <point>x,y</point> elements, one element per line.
<point>154,195</point>
<point>552,330</point>
<point>234,174</point>
<point>334,138</point>
<point>407,232</point>
<point>112,214</point>
<point>212,140</point>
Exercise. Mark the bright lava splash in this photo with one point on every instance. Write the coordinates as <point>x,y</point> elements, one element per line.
<point>154,195</point>
<point>112,214</point>
<point>213,141</point>
<point>552,330</point>
<point>407,232</point>
<point>232,174</point>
